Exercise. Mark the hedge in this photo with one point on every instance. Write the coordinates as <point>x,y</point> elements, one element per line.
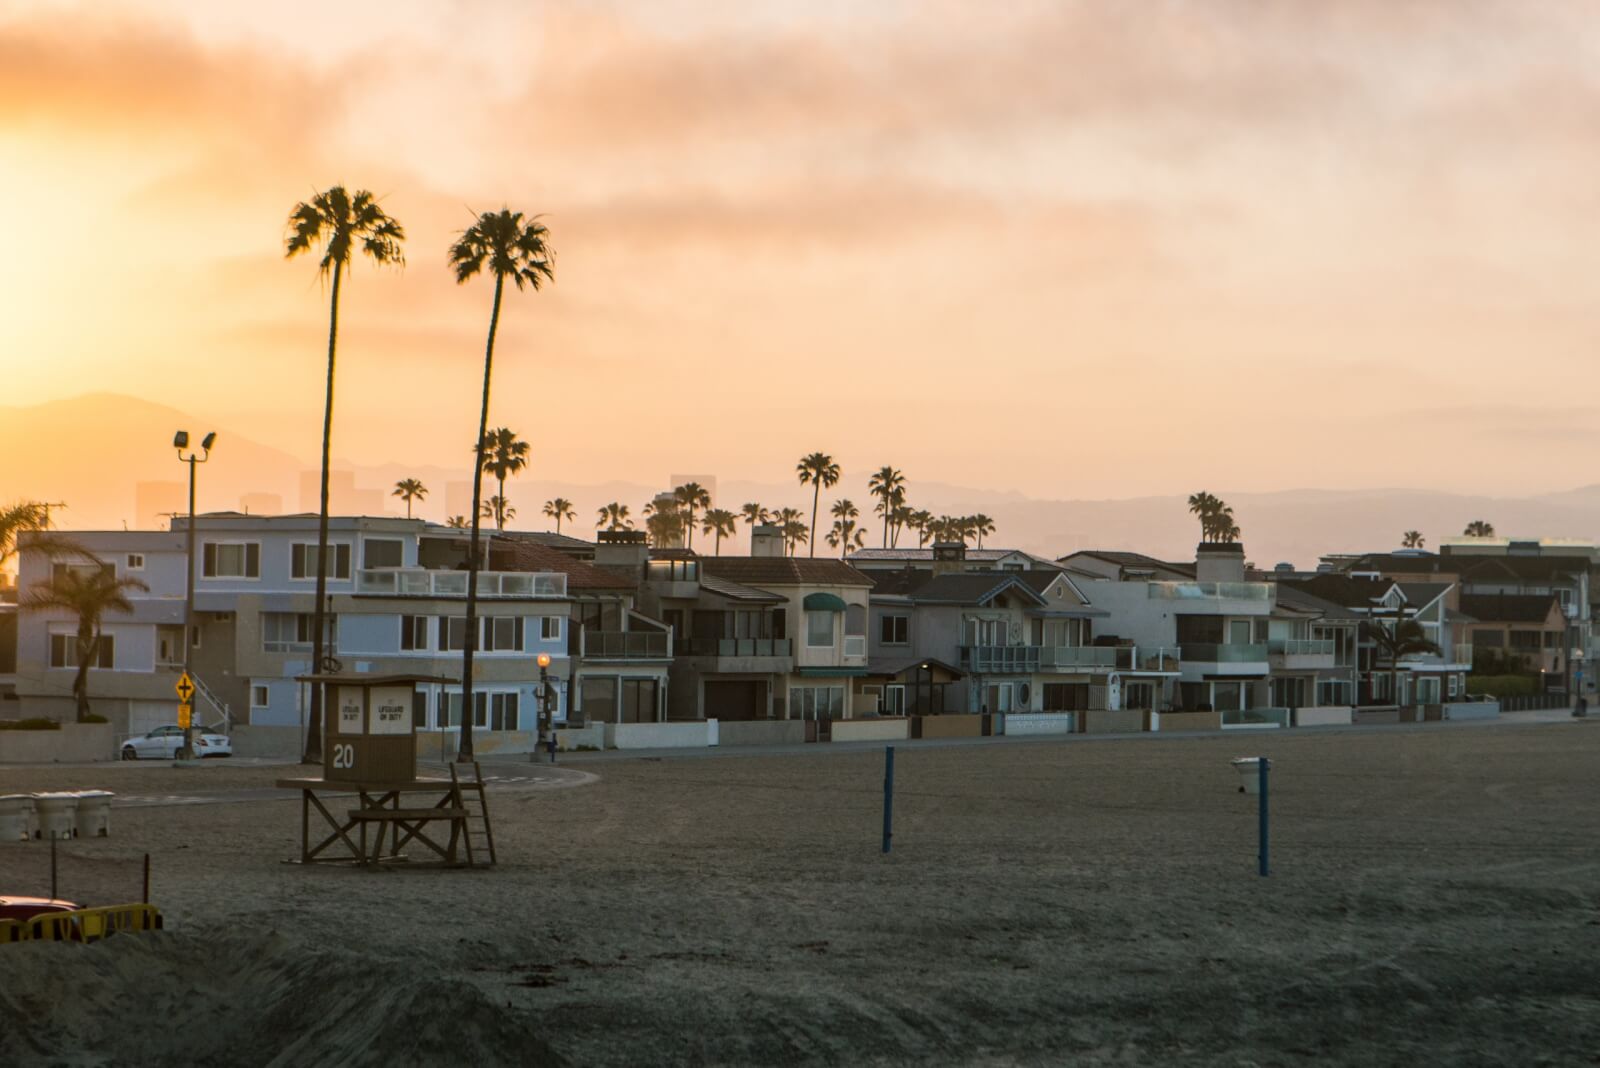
<point>1503,685</point>
<point>35,724</point>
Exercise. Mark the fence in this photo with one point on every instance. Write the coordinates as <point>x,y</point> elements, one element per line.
<point>1530,702</point>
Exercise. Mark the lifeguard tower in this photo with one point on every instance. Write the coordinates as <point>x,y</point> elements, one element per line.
<point>369,749</point>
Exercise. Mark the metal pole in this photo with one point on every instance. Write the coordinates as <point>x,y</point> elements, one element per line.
<point>1261,857</point>
<point>53,894</point>
<point>146,898</point>
<point>188,613</point>
<point>888,795</point>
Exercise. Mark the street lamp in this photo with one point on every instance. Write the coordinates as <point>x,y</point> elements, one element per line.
<point>180,442</point>
<point>544,708</point>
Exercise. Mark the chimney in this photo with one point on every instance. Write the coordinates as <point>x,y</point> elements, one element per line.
<point>621,548</point>
<point>1216,561</point>
<point>766,540</point>
<point>949,557</point>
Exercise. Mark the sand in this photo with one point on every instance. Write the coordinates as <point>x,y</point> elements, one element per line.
<point>1434,900</point>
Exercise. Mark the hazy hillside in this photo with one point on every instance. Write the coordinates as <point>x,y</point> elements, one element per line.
<point>40,459</point>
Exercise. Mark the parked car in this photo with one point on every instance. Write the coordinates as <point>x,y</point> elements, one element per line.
<point>163,743</point>
<point>26,908</point>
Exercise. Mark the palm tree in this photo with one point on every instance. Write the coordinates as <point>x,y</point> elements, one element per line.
<point>663,522</point>
<point>16,519</point>
<point>817,470</point>
<point>795,532</point>
<point>457,522</point>
<point>898,511</point>
<point>614,516</point>
<point>846,535</point>
<point>755,514</point>
<point>1413,540</point>
<point>509,246</point>
<point>560,508</point>
<point>88,592</point>
<point>499,509</point>
<point>919,521</point>
<point>882,485</point>
<point>410,489</point>
<point>341,223</point>
<point>503,454</point>
<point>1395,642</point>
<point>787,519</point>
<point>981,525</point>
<point>722,523</point>
<point>1479,529</point>
<point>692,495</point>
<point>1205,506</point>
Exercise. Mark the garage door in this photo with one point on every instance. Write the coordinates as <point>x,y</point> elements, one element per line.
<point>146,716</point>
<point>736,699</point>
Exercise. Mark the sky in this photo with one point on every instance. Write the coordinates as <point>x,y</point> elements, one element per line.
<point>1075,249</point>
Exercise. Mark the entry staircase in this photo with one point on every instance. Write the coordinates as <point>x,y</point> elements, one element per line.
<point>214,701</point>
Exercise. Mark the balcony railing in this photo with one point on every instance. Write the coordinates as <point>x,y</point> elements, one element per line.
<point>1084,657</point>
<point>423,582</point>
<point>1300,647</point>
<point>1210,653</point>
<point>734,647</point>
<point>1195,591</point>
<point>1255,717</point>
<point>626,644</point>
<point>1003,659</point>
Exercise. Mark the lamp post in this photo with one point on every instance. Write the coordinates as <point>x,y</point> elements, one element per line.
<point>180,442</point>
<point>544,705</point>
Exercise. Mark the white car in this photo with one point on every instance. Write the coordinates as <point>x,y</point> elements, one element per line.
<point>163,743</point>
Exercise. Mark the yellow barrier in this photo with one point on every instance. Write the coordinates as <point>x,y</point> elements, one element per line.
<point>86,925</point>
<point>13,931</point>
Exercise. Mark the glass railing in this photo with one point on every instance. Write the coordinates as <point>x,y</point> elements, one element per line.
<point>626,644</point>
<point>734,647</point>
<point>422,582</point>
<point>1255,717</point>
<point>1084,657</point>
<point>1300,647</point>
<point>1193,591</point>
<point>1000,658</point>
<point>1225,654</point>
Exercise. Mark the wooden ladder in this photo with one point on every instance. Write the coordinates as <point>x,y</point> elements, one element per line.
<point>479,834</point>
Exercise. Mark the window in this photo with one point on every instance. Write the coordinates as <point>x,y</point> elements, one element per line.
<point>502,634</point>
<point>819,629</point>
<point>1066,696</point>
<point>82,570</point>
<point>290,632</point>
<point>816,702</point>
<point>894,630</point>
<point>64,651</point>
<point>303,561</point>
<point>1334,692</point>
<point>493,711</point>
<point>382,552</point>
<point>452,633</point>
<point>135,562</point>
<point>1455,686</point>
<point>550,628</point>
<point>259,697</point>
<point>1428,690</point>
<point>894,700</point>
<point>414,633</point>
<point>232,559</point>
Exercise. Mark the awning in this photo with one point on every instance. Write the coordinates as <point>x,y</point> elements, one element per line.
<point>823,602</point>
<point>831,672</point>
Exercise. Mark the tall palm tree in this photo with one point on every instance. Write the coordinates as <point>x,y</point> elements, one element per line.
<point>411,490</point>
<point>341,224</point>
<point>663,522</point>
<point>882,485</point>
<point>787,520</point>
<point>692,495</point>
<point>508,247</point>
<point>17,519</point>
<point>560,508</point>
<point>88,592</point>
<point>1396,641</point>
<point>898,511</point>
<point>755,514</point>
<point>614,516</point>
<point>1479,529</point>
<point>919,521</point>
<point>500,510</point>
<point>503,454</point>
<point>458,522</point>
<point>722,523</point>
<point>981,525</point>
<point>846,535</point>
<point>1204,506</point>
<point>817,470</point>
<point>1413,540</point>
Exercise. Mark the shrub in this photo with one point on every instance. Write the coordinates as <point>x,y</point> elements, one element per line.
<point>94,717</point>
<point>1503,685</point>
<point>34,724</point>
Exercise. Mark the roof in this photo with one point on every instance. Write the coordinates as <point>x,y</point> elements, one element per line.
<point>971,587</point>
<point>737,591</point>
<point>1510,607</point>
<point>515,554</point>
<point>1480,566</point>
<point>891,667</point>
<point>783,571</point>
<point>926,554</point>
<point>1293,597</point>
<point>1132,561</point>
<point>1422,593</point>
<point>1340,589</point>
<point>674,554</point>
<point>899,583</point>
<point>552,540</point>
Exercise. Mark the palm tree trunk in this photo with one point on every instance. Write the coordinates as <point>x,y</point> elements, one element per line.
<point>885,497</point>
<point>464,753</point>
<point>313,748</point>
<point>500,500</point>
<point>816,497</point>
<point>408,507</point>
<point>80,681</point>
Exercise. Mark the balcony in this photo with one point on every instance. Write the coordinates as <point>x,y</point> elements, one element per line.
<point>1206,658</point>
<point>1306,653</point>
<point>1204,591</point>
<point>625,644</point>
<point>1001,659</point>
<point>424,582</point>
<point>740,647</point>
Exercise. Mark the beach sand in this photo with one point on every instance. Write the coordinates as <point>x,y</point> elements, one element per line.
<point>1435,899</point>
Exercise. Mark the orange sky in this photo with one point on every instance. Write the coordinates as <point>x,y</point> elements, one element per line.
<point>1079,249</point>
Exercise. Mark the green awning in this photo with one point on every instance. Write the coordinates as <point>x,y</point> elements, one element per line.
<point>823,602</point>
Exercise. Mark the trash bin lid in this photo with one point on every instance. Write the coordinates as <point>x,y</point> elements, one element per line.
<point>1245,760</point>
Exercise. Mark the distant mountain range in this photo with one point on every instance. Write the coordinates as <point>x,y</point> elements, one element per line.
<point>93,451</point>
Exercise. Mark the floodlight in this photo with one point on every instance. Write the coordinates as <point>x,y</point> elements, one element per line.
<point>207,441</point>
<point>180,440</point>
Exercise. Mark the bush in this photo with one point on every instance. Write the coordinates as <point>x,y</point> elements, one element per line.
<point>35,724</point>
<point>1503,685</point>
<point>94,717</point>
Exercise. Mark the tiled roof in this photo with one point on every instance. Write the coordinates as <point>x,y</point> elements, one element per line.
<point>737,591</point>
<point>1509,608</point>
<point>1294,597</point>
<point>1135,561</point>
<point>899,583</point>
<point>1341,589</point>
<point>1422,593</point>
<point>925,555</point>
<point>513,554</point>
<point>783,571</point>
<point>970,587</point>
<point>674,554</point>
<point>564,542</point>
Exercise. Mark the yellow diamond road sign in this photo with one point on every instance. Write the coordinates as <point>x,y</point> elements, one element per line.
<point>185,688</point>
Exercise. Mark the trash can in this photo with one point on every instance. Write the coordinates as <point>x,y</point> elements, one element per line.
<point>1249,769</point>
<point>94,813</point>
<point>16,817</point>
<point>57,814</point>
